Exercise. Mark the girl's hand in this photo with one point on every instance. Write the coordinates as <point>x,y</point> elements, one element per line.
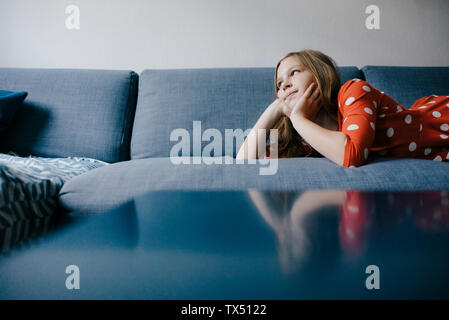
<point>308,105</point>
<point>280,108</point>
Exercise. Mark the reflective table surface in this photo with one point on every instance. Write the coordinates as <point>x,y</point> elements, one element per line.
<point>327,244</point>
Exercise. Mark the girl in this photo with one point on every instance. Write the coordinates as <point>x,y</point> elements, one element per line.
<point>314,116</point>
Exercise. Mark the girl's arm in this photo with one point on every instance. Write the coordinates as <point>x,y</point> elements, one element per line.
<point>329,143</point>
<point>266,121</point>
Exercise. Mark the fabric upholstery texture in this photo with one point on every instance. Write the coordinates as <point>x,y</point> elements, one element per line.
<point>408,84</point>
<point>106,187</point>
<point>71,112</point>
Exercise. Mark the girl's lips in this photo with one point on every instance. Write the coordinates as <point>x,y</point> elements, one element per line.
<point>291,93</point>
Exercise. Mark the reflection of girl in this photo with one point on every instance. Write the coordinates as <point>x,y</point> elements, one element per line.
<point>315,116</point>
<point>301,236</point>
<point>367,212</point>
<point>304,231</point>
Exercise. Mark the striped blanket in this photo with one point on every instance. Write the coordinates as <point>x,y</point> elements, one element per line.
<point>29,186</point>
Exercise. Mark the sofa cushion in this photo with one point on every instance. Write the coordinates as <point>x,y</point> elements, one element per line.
<point>71,112</point>
<point>9,104</point>
<point>104,188</point>
<point>408,84</point>
<point>219,98</point>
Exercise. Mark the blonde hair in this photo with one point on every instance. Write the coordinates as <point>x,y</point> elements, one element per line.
<point>327,76</point>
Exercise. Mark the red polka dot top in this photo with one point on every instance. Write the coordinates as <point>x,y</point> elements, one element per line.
<point>375,124</point>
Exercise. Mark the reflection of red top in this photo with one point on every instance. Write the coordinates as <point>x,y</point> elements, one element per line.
<point>429,210</point>
<point>353,221</point>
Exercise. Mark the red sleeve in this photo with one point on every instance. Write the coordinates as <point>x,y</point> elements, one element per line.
<point>358,101</point>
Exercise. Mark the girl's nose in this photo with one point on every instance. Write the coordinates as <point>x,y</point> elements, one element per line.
<point>285,85</point>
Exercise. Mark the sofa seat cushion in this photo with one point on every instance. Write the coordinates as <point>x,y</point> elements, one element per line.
<point>104,188</point>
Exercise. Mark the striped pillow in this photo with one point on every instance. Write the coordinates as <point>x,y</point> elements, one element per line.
<point>29,189</point>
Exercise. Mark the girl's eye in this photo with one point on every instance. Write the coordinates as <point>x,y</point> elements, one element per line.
<point>293,73</point>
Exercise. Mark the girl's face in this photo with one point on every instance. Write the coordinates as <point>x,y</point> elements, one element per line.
<point>292,79</point>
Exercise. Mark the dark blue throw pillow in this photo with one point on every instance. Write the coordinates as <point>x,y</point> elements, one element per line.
<point>9,104</point>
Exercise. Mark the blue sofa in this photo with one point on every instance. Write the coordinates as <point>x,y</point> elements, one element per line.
<point>126,120</point>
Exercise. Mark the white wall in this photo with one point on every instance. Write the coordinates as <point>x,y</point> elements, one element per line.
<point>138,34</point>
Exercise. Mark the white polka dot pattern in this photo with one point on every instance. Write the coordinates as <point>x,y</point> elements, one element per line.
<point>349,101</point>
<point>408,131</point>
<point>390,132</point>
<point>366,88</point>
<point>408,119</point>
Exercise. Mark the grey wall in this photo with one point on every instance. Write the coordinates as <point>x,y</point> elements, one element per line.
<point>138,34</point>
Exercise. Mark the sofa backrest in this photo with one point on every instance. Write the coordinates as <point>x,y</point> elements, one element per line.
<point>71,112</point>
<point>231,98</point>
<point>408,84</point>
